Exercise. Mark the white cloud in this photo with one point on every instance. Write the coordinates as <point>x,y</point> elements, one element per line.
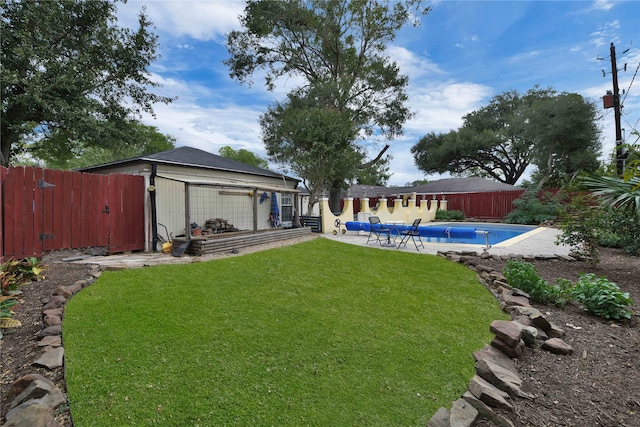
<point>201,20</point>
<point>601,5</point>
<point>440,107</point>
<point>411,64</point>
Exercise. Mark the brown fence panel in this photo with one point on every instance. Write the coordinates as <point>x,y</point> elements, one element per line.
<point>44,210</point>
<point>489,205</point>
<point>126,213</point>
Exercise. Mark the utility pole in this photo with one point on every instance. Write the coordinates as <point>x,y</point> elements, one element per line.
<point>616,110</point>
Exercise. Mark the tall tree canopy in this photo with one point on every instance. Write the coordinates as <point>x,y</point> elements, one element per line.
<point>337,49</point>
<point>59,152</point>
<point>243,156</point>
<point>69,74</point>
<point>555,132</point>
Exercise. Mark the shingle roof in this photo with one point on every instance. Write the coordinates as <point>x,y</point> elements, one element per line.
<point>449,185</point>
<point>189,156</point>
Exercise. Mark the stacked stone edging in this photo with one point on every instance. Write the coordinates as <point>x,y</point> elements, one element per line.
<point>34,398</point>
<point>497,383</point>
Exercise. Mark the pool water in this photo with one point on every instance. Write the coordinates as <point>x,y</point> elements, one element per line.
<point>469,233</point>
<point>459,232</point>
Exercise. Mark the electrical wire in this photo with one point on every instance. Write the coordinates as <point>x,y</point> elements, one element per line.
<point>630,84</point>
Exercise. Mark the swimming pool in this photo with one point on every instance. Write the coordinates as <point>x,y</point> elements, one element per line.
<point>460,232</point>
<point>473,233</point>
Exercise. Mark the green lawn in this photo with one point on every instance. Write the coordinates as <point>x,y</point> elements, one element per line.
<point>320,334</point>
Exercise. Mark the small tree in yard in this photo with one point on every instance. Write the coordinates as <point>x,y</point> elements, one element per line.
<point>337,50</point>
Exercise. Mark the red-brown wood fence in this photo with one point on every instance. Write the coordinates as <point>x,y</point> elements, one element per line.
<point>494,205</point>
<point>43,210</point>
<point>489,205</point>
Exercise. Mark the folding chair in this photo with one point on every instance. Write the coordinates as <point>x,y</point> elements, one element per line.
<point>376,229</point>
<point>412,233</point>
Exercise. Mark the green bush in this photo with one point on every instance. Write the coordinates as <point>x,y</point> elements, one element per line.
<point>530,209</point>
<point>602,297</point>
<point>442,215</point>
<point>13,274</point>
<point>597,295</point>
<point>523,275</point>
<point>580,226</point>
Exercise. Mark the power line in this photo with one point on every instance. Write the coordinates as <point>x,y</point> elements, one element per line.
<point>630,84</point>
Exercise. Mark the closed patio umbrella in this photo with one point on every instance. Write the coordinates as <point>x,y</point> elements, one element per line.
<point>275,211</point>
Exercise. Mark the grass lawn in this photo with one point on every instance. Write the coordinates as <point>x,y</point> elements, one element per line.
<point>316,334</point>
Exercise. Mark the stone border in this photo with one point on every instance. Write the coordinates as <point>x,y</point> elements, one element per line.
<point>496,382</point>
<point>34,398</point>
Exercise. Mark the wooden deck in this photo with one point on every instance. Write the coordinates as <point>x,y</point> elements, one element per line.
<point>229,241</point>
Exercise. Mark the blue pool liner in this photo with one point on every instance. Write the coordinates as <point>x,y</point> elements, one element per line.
<point>425,231</point>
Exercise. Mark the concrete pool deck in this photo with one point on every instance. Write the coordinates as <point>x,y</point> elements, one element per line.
<point>537,242</point>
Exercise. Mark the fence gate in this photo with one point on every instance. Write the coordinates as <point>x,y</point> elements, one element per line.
<point>44,210</point>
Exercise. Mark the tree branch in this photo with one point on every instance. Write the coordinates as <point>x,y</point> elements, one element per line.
<point>373,162</point>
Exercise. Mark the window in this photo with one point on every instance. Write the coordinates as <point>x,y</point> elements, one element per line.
<point>286,214</point>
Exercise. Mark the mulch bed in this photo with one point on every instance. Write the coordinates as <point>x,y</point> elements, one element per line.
<point>599,385</point>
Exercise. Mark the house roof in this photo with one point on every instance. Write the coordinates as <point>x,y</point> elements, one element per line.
<point>449,185</point>
<point>193,157</point>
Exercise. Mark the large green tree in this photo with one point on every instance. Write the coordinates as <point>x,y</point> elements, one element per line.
<point>310,141</point>
<point>337,50</point>
<point>243,156</point>
<point>70,75</point>
<point>61,152</point>
<point>555,132</point>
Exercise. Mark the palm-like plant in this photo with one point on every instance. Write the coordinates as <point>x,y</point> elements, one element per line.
<point>615,192</point>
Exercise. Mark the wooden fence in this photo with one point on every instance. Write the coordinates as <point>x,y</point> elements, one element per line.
<point>43,210</point>
<point>492,205</point>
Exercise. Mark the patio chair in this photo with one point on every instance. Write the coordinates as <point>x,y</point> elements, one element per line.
<point>377,230</point>
<point>411,233</point>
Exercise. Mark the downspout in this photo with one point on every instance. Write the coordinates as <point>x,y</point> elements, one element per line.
<point>154,215</point>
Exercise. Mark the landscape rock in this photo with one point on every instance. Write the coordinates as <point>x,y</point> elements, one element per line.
<point>493,355</point>
<point>507,331</point>
<point>32,416</point>
<point>51,359</point>
<point>55,301</point>
<point>50,330</point>
<point>486,412</point>
<point>504,379</point>
<point>557,346</point>
<point>513,352</point>
<point>540,321</point>
<point>52,321</point>
<point>511,299</point>
<point>462,414</point>
<point>63,291</point>
<point>24,381</point>
<point>35,390</point>
<point>51,340</point>
<point>555,331</point>
<point>440,418</point>
<point>489,394</point>
<point>82,283</point>
<point>54,312</point>
<point>529,335</point>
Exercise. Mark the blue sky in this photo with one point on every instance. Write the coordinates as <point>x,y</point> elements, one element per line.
<point>463,54</point>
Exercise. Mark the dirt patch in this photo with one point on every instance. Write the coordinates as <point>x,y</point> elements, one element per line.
<point>596,386</point>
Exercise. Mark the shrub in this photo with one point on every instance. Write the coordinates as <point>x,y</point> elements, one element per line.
<point>523,275</point>
<point>581,225</point>
<point>442,215</point>
<point>13,274</point>
<point>602,297</point>
<point>531,209</point>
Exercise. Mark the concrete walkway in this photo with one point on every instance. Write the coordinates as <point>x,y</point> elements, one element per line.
<point>538,242</point>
